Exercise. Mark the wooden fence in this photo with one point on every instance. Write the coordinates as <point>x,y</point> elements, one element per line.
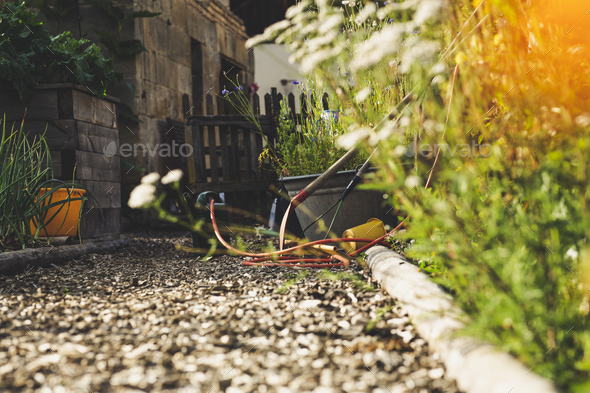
<point>226,147</point>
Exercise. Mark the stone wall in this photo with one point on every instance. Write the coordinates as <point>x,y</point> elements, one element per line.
<point>187,47</point>
<point>165,73</point>
<point>172,68</point>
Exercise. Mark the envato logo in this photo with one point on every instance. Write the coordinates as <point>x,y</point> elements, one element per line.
<point>463,150</point>
<point>141,149</point>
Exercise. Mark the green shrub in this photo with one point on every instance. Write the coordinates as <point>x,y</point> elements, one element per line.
<point>29,56</point>
<point>506,215</point>
<point>311,147</point>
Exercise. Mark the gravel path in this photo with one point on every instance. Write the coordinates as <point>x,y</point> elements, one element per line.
<point>151,318</point>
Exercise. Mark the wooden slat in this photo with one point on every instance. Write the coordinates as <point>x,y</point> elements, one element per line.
<point>213,160</point>
<point>228,109</point>
<point>94,224</point>
<point>291,101</point>
<point>224,153</point>
<point>74,134</point>
<point>267,105</point>
<point>248,150</point>
<point>198,153</point>
<point>276,107</point>
<point>191,160</point>
<point>235,154</point>
<point>43,105</point>
<point>256,104</point>
<point>220,121</point>
<point>74,86</point>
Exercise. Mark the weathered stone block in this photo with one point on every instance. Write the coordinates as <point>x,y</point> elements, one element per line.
<point>200,28</point>
<point>162,6</point>
<point>167,72</point>
<point>127,65</point>
<point>150,134</point>
<point>179,46</point>
<point>178,13</point>
<point>211,68</point>
<point>184,79</point>
<point>147,66</point>
<point>164,102</point>
<point>158,33</point>
<point>150,98</point>
<point>177,112</point>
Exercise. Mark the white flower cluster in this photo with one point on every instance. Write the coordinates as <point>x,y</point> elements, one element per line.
<point>318,35</point>
<point>314,33</point>
<point>145,193</point>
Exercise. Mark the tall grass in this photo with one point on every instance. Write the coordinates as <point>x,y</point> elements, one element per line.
<point>509,229</point>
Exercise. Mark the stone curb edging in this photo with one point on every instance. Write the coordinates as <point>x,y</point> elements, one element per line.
<point>477,367</point>
<point>13,261</point>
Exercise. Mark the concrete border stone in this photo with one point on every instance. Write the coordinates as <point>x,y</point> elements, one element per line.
<point>476,366</point>
<point>11,262</point>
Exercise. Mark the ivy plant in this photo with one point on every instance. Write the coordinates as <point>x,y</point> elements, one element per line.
<point>29,56</point>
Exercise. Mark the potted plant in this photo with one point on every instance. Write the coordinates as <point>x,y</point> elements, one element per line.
<point>302,153</point>
<point>33,204</point>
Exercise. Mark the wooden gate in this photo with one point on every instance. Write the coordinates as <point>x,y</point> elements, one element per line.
<point>225,159</point>
<point>226,148</point>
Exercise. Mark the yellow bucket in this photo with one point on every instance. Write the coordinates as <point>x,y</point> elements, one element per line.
<point>372,229</point>
<point>68,215</point>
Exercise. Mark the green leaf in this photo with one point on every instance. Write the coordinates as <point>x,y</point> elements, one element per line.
<point>109,40</point>
<point>131,165</point>
<point>131,47</point>
<point>126,112</point>
<point>130,86</point>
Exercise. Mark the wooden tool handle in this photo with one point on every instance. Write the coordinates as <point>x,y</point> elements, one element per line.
<point>330,172</point>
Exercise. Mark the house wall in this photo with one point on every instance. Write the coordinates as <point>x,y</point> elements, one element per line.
<point>271,67</point>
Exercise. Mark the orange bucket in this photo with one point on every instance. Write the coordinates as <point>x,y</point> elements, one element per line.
<point>68,215</point>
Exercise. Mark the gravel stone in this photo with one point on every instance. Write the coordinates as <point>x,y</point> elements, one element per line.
<point>153,318</point>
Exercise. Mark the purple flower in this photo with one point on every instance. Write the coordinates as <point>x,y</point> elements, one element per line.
<point>253,88</point>
<point>416,32</point>
<point>224,91</point>
<point>295,82</point>
<point>238,87</point>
